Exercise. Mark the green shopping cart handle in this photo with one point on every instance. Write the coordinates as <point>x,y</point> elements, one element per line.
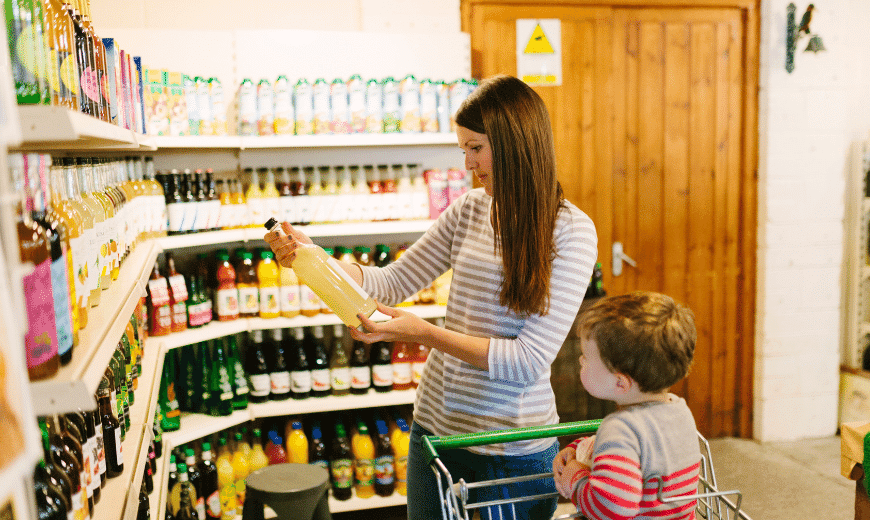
<point>432,443</point>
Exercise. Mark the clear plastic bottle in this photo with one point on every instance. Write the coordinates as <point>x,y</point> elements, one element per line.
<point>297,444</point>
<point>363,463</point>
<point>267,277</point>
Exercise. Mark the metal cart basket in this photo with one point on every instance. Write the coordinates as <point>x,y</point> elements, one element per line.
<point>712,504</point>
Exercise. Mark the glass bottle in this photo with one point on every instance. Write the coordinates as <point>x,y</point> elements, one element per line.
<point>382,368</point>
<point>227,294</point>
<point>317,452</point>
<point>159,304</point>
<point>300,371</point>
<point>50,504</point>
<point>100,246</point>
<point>95,186</point>
<point>360,369</point>
<point>220,385</point>
<point>257,369</point>
<point>54,474</point>
<point>401,361</point>
<point>319,362</point>
<point>286,206</point>
<point>300,198</point>
<point>241,390</point>
<point>82,246</point>
<point>246,282</point>
<point>279,372</point>
<point>175,204</point>
<point>111,432</point>
<point>195,478</point>
<point>177,295</point>
<point>341,464</point>
<point>64,457</point>
<point>339,367</point>
<point>209,487</point>
<point>384,461</point>
<point>40,340</point>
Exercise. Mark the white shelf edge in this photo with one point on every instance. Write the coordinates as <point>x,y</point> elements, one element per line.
<point>58,127</point>
<point>331,403</point>
<point>106,323</point>
<point>196,141</point>
<point>204,238</point>
<point>357,504</point>
<point>347,140</point>
<point>195,426</point>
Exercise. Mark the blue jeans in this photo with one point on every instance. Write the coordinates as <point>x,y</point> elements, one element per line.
<point>424,502</point>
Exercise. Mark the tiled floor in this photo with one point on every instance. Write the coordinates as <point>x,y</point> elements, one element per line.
<point>778,481</point>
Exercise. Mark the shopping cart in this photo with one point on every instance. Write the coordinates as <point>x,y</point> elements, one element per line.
<point>712,503</point>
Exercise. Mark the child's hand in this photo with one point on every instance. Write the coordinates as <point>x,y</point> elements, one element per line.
<point>562,458</point>
<point>569,471</point>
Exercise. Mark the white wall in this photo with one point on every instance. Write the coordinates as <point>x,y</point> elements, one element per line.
<point>807,122</point>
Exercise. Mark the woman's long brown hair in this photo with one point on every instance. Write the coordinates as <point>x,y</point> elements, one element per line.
<point>526,194</point>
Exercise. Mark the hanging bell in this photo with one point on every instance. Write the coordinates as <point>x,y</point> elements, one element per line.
<point>815,44</point>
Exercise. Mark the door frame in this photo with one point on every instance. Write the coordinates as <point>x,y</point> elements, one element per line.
<point>749,206</point>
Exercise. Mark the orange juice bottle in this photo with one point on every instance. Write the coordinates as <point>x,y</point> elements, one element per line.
<point>226,481</point>
<point>225,198</point>
<point>259,459</point>
<point>239,215</point>
<point>241,470</point>
<point>297,444</point>
<point>254,196</point>
<point>363,463</point>
<point>271,196</point>
<point>400,438</point>
<point>267,275</point>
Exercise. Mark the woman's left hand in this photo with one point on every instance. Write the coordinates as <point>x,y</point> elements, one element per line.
<point>402,326</point>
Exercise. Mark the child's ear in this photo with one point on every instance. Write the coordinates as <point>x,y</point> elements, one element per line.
<point>623,383</point>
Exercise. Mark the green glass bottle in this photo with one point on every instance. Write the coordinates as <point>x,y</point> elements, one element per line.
<point>237,375</point>
<point>128,367</point>
<point>202,370</point>
<point>220,385</point>
<point>170,415</point>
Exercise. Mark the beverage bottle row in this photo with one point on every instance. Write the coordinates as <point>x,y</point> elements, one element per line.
<point>206,377</point>
<point>77,221</point>
<point>352,106</point>
<point>178,104</point>
<point>175,303</point>
<point>58,59</point>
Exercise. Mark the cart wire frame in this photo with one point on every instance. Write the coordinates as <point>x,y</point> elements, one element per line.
<point>712,504</point>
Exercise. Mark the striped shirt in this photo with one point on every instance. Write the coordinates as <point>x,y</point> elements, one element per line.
<point>454,396</point>
<point>632,445</point>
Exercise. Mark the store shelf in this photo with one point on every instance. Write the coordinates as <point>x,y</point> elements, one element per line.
<point>197,141</point>
<point>347,140</point>
<point>356,504</point>
<point>54,127</point>
<point>149,385</point>
<point>219,329</point>
<point>205,238</point>
<point>331,403</point>
<point>74,384</point>
<point>195,426</point>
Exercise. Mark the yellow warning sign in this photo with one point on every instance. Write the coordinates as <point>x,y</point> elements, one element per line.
<point>538,43</point>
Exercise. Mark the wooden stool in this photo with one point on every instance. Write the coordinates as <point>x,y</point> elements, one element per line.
<point>293,491</point>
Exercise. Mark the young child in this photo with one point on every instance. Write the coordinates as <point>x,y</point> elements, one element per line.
<point>634,347</point>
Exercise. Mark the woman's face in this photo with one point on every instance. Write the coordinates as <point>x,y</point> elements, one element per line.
<point>478,155</point>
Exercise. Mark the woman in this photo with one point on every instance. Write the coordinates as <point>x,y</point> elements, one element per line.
<point>522,257</point>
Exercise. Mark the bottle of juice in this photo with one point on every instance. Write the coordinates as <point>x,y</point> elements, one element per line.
<point>178,295</point>
<point>324,308</point>
<point>323,274</point>
<point>160,310</point>
<point>400,441</point>
<point>241,470</point>
<point>226,480</point>
<point>288,292</point>
<point>100,244</point>
<point>341,464</point>
<point>275,451</point>
<point>227,295</point>
<point>360,369</point>
<point>360,200</point>
<point>279,371</point>
<point>259,460</point>
<point>210,483</point>
<point>363,465</point>
<point>339,367</point>
<point>297,444</point>
<point>382,368</point>
<point>224,200</point>
<point>286,208</point>
<point>247,283</point>
<point>316,205</point>
<point>254,196</point>
<point>401,362</point>
<point>241,215</point>
<point>317,453</point>
<point>267,275</point>
<point>271,196</point>
<point>183,483</point>
<point>70,223</point>
<point>331,213</point>
<point>300,197</point>
<point>300,371</point>
<point>384,461</point>
<point>83,251</point>
<point>321,385</point>
<point>391,197</point>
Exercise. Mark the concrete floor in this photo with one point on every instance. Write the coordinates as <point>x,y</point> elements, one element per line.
<point>778,480</point>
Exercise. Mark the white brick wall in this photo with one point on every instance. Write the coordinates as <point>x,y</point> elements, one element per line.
<point>807,122</point>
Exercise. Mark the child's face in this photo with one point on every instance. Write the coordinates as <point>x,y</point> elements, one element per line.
<point>597,379</point>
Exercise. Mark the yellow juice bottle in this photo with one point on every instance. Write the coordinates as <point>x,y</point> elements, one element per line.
<point>226,481</point>
<point>297,444</point>
<point>267,274</point>
<point>400,439</point>
<point>271,195</point>
<point>254,196</point>
<point>241,469</point>
<point>84,249</point>
<point>288,292</point>
<point>99,244</point>
<point>259,459</point>
<point>225,197</point>
<point>240,216</point>
<point>72,222</point>
<point>363,461</point>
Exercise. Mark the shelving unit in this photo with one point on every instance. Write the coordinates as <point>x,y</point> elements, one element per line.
<point>58,128</point>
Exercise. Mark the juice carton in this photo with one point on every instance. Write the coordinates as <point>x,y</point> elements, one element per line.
<point>428,106</point>
<point>391,106</point>
<point>283,121</point>
<point>156,103</point>
<point>374,107</point>
<point>218,108</point>
<point>203,104</point>
<point>320,97</point>
<point>409,104</point>
<point>194,120</point>
<point>338,99</point>
<point>265,108</point>
<point>177,104</point>
<point>356,103</point>
<point>303,103</point>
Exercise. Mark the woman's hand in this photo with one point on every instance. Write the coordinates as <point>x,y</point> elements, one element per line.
<point>284,246</point>
<point>562,459</point>
<point>403,326</point>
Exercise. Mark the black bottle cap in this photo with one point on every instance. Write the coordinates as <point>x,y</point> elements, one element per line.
<point>271,223</point>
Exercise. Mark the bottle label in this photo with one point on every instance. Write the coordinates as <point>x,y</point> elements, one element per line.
<point>175,211</point>
<point>401,468</point>
<point>79,500</point>
<point>384,471</point>
<point>228,502</point>
<point>249,300</point>
<point>260,385</point>
<point>320,380</point>
<point>289,295</point>
<point>402,373</point>
<point>340,378</point>
<point>382,375</point>
<point>159,291</point>
<point>213,504</point>
<point>179,313</point>
<point>179,288</point>
<point>364,471</point>
<point>280,382</point>
<point>87,472</point>
<point>62,314</point>
<point>119,447</point>
<point>360,377</point>
<point>342,473</point>
<point>40,341</point>
<point>200,507</point>
<point>269,300</point>
<point>309,299</point>
<point>227,303</point>
<point>101,452</point>
<point>300,381</point>
<point>417,371</point>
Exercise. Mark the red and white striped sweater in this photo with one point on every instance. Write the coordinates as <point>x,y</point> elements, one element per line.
<point>632,446</point>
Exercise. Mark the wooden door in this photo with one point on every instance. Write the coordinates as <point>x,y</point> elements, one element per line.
<point>655,129</point>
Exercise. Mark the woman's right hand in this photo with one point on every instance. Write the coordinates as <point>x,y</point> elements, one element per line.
<point>284,244</point>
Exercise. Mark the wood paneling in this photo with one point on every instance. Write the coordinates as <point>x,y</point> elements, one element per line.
<point>655,129</point>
